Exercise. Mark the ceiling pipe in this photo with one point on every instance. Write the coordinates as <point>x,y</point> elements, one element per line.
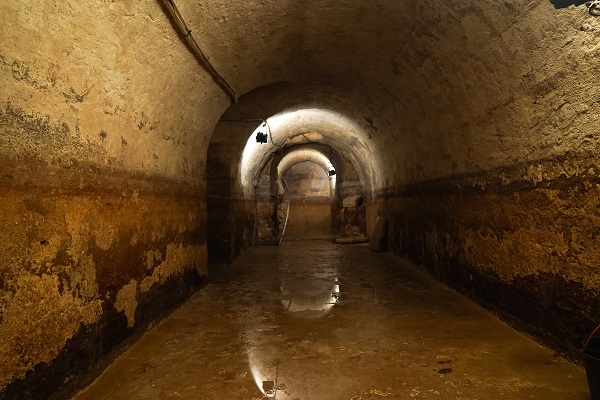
<point>187,34</point>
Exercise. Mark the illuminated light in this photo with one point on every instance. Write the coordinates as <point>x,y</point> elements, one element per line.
<point>336,129</point>
<point>254,153</point>
<point>335,294</point>
<point>262,374</point>
<point>269,389</point>
<point>301,155</point>
<point>256,371</point>
<point>261,138</point>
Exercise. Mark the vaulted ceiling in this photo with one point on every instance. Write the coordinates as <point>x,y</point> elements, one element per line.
<point>435,88</point>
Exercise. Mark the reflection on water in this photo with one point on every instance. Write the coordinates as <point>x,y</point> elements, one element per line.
<point>311,293</point>
<point>261,373</point>
<point>264,355</point>
<point>304,294</point>
<point>313,301</point>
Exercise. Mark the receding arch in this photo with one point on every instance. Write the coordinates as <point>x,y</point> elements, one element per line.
<point>300,155</point>
<point>307,182</point>
<point>317,115</point>
<point>330,128</point>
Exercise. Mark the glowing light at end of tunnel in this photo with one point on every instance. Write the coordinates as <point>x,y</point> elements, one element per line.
<point>311,155</point>
<point>337,129</point>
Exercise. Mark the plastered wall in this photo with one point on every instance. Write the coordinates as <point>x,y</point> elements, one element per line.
<point>307,181</point>
<point>102,199</point>
<point>472,126</point>
<point>521,240</point>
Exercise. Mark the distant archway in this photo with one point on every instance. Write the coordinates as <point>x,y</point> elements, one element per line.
<point>308,192</point>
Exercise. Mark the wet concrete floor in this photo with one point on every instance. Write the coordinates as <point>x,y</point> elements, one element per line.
<point>311,320</point>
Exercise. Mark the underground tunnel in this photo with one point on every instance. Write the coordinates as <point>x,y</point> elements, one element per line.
<point>181,175</point>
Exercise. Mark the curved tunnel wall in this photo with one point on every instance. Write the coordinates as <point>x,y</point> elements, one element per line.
<point>310,126</point>
<point>480,117</point>
<point>486,135</point>
<point>318,160</point>
<point>102,216</point>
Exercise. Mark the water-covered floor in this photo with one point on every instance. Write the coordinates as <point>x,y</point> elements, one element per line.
<point>311,320</point>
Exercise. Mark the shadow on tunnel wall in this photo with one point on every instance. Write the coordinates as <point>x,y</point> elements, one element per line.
<point>567,3</point>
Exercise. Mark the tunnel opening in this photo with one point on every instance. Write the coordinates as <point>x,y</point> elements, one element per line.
<point>308,193</point>
<point>301,194</point>
<point>247,158</point>
<point>333,207</point>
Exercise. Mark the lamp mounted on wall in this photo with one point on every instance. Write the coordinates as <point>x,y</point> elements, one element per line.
<point>262,132</point>
<point>262,137</point>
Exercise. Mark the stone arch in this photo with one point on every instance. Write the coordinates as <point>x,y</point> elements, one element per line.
<point>345,220</point>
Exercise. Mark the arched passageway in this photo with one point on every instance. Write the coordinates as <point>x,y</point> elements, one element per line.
<point>308,193</point>
<point>463,135</point>
<point>254,186</point>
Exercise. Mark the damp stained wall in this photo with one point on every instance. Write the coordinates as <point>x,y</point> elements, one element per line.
<point>474,131</point>
<point>102,216</point>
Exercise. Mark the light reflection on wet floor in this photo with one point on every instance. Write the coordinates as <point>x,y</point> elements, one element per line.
<point>315,321</point>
